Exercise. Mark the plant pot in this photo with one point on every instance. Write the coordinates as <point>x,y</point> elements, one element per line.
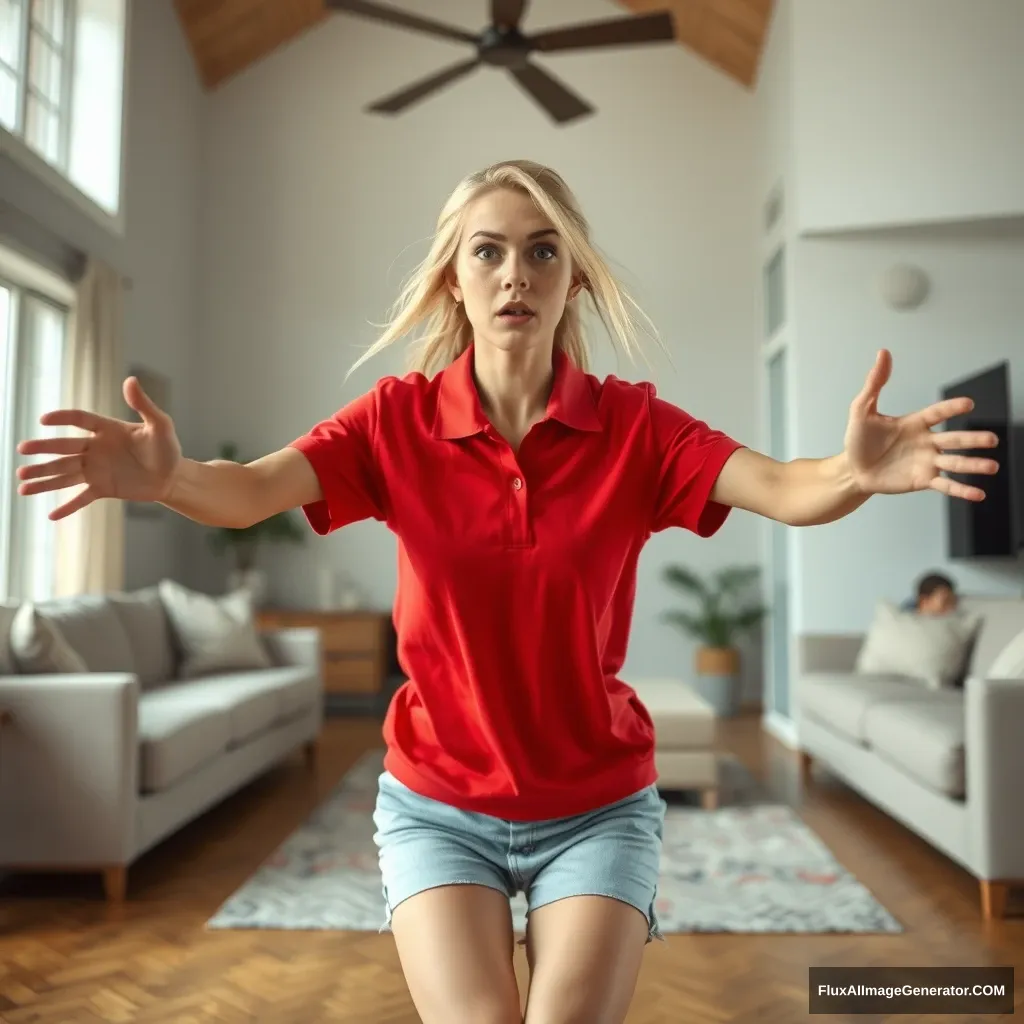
<point>717,679</point>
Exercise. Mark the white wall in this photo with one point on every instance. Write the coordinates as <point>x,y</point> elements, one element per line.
<point>908,112</point>
<point>774,100</point>
<point>973,318</point>
<point>314,212</point>
<point>159,249</point>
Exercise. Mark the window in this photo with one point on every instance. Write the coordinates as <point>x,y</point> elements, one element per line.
<point>61,85</point>
<point>33,337</point>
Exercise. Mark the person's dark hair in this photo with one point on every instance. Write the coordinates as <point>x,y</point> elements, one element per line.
<point>934,581</point>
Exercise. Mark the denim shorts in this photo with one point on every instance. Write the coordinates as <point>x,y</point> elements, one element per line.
<point>614,850</point>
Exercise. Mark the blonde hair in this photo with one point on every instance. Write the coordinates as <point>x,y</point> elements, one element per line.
<point>426,302</point>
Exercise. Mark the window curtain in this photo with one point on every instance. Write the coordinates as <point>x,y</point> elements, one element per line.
<point>90,543</point>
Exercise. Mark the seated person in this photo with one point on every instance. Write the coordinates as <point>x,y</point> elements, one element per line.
<point>936,595</point>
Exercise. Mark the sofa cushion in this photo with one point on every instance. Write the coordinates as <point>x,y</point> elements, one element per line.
<point>145,621</point>
<point>840,700</point>
<point>931,648</point>
<point>254,701</point>
<point>38,645</point>
<point>177,735</point>
<point>90,625</point>
<point>1009,663</point>
<point>925,738</point>
<point>213,634</point>
<point>299,690</point>
<point>1003,619</point>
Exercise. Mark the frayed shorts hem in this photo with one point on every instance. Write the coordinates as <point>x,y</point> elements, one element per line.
<point>653,929</point>
<point>613,851</point>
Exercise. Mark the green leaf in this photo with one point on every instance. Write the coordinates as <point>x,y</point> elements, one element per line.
<point>685,580</point>
<point>720,615</point>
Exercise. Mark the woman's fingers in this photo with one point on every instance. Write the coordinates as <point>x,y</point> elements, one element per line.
<point>51,483</point>
<point>53,446</point>
<point>54,467</point>
<point>964,440</point>
<point>955,489</point>
<point>966,464</point>
<point>81,418</point>
<point>138,400</point>
<point>84,497</point>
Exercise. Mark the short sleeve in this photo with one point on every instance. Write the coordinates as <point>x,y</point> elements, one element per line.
<point>689,456</point>
<point>341,452</point>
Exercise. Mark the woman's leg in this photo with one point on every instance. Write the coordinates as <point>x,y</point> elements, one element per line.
<point>446,890</point>
<point>585,954</point>
<point>455,943</point>
<point>592,882</point>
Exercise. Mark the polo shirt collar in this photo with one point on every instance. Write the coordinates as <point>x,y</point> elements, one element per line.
<point>460,414</point>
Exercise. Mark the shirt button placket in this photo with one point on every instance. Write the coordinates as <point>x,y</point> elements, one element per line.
<point>520,518</point>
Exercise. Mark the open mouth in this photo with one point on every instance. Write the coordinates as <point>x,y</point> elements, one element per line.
<point>516,311</point>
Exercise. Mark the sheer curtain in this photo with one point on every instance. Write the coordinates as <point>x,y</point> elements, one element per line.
<point>90,543</point>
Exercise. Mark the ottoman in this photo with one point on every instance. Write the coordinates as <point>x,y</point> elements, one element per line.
<point>684,727</point>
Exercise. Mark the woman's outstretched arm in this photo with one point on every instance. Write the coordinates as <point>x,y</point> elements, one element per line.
<point>881,455</point>
<point>143,462</point>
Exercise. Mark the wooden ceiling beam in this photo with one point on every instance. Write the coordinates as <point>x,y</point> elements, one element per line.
<point>228,36</point>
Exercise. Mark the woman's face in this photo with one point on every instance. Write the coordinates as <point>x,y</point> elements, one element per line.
<point>512,271</point>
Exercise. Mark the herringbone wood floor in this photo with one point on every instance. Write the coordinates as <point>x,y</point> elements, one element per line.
<point>66,956</point>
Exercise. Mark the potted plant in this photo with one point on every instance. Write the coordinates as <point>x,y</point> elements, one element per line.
<point>244,543</point>
<point>724,611</point>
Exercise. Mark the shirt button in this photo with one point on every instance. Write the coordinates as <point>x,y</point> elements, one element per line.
<point>517,483</point>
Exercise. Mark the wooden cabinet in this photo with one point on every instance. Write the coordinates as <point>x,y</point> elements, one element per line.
<point>356,645</point>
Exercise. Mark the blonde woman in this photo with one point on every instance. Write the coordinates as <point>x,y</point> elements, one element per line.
<point>521,489</point>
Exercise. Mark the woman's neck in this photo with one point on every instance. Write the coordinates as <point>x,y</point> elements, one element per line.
<point>514,387</point>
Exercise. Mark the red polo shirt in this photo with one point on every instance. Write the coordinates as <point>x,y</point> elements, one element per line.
<point>516,576</point>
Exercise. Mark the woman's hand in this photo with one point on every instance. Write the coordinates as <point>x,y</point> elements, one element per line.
<point>898,454</point>
<point>129,461</point>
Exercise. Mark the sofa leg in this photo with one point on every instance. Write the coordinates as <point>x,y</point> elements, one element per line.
<point>115,883</point>
<point>709,799</point>
<point>806,766</point>
<point>993,899</point>
<point>310,750</point>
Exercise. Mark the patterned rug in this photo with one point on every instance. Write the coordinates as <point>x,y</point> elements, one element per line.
<point>750,866</point>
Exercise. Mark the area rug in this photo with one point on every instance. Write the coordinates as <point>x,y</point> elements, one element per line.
<point>749,867</point>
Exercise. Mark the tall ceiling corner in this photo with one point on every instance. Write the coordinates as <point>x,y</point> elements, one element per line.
<point>228,36</point>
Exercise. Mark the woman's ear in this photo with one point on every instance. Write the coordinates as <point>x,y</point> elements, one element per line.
<point>453,283</point>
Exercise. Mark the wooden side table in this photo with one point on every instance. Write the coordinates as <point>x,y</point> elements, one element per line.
<point>355,646</point>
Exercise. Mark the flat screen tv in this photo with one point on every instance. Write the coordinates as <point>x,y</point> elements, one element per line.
<point>989,528</point>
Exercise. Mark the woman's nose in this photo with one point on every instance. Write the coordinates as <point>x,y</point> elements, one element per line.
<point>515,275</point>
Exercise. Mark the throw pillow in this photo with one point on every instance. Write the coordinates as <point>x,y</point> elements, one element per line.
<point>1009,663</point>
<point>39,646</point>
<point>933,649</point>
<point>8,666</point>
<point>214,634</point>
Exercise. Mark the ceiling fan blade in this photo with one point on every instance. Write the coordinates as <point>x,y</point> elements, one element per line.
<point>393,16</point>
<point>557,99</point>
<point>507,13</point>
<point>640,28</point>
<point>397,102</point>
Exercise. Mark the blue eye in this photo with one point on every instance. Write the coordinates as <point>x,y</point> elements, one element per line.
<point>547,248</point>
<point>484,248</point>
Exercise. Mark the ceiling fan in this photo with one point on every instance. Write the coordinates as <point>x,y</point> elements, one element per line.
<point>503,45</point>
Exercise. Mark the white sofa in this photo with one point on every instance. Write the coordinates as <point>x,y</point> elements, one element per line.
<point>98,766</point>
<point>947,763</point>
